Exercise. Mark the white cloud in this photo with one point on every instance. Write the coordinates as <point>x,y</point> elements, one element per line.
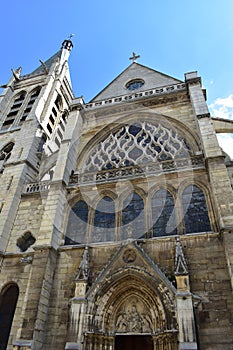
<point>223,108</point>
<point>226,143</point>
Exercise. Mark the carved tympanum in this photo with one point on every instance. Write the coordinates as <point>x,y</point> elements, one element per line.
<point>133,318</point>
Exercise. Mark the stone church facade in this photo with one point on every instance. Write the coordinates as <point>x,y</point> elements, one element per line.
<point>116,216</point>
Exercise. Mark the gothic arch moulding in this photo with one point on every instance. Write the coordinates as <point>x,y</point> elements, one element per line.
<point>131,303</point>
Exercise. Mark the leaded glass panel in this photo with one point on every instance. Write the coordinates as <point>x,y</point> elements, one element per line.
<point>163,214</point>
<point>77,224</point>
<point>196,216</point>
<point>133,217</point>
<point>104,221</point>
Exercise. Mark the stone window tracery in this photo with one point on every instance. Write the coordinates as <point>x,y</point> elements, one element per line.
<point>195,210</point>
<point>5,154</point>
<point>134,144</point>
<point>163,214</point>
<point>101,225</point>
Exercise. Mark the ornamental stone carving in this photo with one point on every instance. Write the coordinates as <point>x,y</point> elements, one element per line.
<point>134,144</point>
<point>133,318</point>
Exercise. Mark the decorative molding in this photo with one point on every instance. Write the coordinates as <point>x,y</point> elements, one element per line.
<point>136,96</point>
<point>142,171</point>
<point>26,260</point>
<point>194,81</point>
<point>129,256</point>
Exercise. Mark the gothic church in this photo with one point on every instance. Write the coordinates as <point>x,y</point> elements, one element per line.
<point>116,215</point>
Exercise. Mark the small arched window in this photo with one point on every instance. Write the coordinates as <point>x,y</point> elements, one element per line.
<point>163,214</point>
<point>195,210</point>
<point>104,220</point>
<point>77,224</point>
<point>5,154</point>
<point>8,301</point>
<point>31,101</point>
<point>133,217</point>
<point>11,116</point>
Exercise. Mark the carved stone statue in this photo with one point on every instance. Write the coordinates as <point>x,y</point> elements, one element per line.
<point>132,321</point>
<point>83,271</point>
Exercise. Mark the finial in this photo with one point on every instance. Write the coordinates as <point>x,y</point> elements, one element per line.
<point>67,44</point>
<point>134,57</point>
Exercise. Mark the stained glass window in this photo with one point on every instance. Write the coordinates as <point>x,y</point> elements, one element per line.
<point>104,221</point>
<point>163,214</point>
<point>137,143</point>
<point>196,217</point>
<point>133,217</point>
<point>77,224</point>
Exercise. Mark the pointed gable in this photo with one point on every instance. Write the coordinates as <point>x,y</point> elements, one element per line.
<point>147,77</point>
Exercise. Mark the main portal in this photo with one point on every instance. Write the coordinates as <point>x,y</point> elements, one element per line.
<point>133,342</point>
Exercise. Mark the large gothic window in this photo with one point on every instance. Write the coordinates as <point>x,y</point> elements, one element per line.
<point>77,224</point>
<point>137,143</point>
<point>104,221</point>
<point>133,217</point>
<point>196,217</point>
<point>163,214</point>
<point>8,301</point>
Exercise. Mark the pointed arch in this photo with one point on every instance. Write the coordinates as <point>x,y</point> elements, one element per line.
<point>124,292</point>
<point>76,230</point>
<point>135,143</point>
<point>5,154</point>
<point>196,217</point>
<point>163,213</point>
<point>8,302</point>
<point>104,220</point>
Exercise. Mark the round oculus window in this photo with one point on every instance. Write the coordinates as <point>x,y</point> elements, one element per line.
<point>135,84</point>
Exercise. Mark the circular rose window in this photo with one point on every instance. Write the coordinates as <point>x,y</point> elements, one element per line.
<point>135,84</point>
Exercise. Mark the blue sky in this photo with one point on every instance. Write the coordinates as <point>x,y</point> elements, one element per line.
<point>173,37</point>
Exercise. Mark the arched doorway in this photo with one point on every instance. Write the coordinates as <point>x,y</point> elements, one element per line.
<point>131,312</point>
<point>8,301</point>
<point>133,342</point>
